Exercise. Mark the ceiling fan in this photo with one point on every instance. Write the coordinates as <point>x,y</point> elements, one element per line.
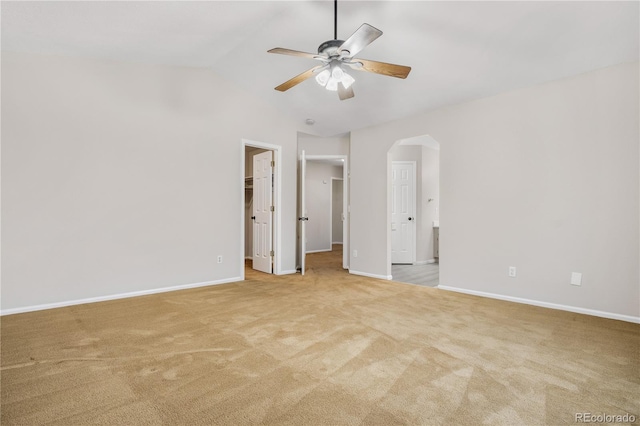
<point>335,55</point>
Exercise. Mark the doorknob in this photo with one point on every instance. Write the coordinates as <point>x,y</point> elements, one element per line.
<point>253,217</point>
<point>410,218</point>
<point>303,218</point>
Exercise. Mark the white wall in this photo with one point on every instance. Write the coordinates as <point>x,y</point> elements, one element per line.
<point>544,178</point>
<point>121,178</point>
<point>430,191</point>
<point>317,145</point>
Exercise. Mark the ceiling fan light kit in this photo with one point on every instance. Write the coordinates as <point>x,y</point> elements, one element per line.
<point>335,55</point>
<point>330,78</point>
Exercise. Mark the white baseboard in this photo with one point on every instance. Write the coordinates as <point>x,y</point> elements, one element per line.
<point>317,251</point>
<point>340,243</point>
<point>288,272</point>
<point>366,274</point>
<point>113,297</point>
<point>575,309</point>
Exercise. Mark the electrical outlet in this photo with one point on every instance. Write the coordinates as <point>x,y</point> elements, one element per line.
<point>219,259</point>
<point>512,271</point>
<point>355,253</point>
<point>576,278</point>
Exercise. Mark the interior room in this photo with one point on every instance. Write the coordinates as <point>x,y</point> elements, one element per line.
<point>320,212</point>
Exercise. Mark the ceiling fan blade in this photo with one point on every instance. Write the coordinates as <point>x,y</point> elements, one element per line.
<point>392,70</point>
<point>298,79</point>
<point>345,93</point>
<point>360,39</point>
<point>290,52</point>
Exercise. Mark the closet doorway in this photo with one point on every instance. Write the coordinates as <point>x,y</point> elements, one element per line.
<point>260,217</point>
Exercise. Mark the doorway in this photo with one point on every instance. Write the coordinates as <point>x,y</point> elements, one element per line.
<point>260,217</point>
<point>321,219</point>
<point>423,267</point>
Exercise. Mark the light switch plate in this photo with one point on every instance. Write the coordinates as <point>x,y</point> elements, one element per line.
<point>576,278</point>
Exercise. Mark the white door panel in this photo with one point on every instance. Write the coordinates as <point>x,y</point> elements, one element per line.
<point>262,213</point>
<point>303,212</point>
<point>403,226</point>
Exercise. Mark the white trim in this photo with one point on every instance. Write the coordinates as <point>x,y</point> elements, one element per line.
<point>330,212</point>
<point>334,242</point>
<point>557,306</point>
<point>317,251</point>
<point>277,173</point>
<point>366,274</point>
<point>288,272</point>
<point>325,157</point>
<point>346,223</point>
<point>115,296</point>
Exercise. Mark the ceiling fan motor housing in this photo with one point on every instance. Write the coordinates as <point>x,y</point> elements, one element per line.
<point>330,48</point>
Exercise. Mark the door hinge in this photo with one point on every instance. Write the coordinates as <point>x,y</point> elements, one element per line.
<point>273,209</point>
<point>273,163</point>
<point>272,253</point>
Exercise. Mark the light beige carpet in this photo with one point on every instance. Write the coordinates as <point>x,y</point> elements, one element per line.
<point>328,348</point>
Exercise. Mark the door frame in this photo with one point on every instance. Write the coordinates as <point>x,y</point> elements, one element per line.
<point>345,201</point>
<point>302,207</point>
<point>277,200</point>
<point>415,208</point>
<point>331,212</point>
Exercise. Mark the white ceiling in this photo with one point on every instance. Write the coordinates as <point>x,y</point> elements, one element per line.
<point>458,50</point>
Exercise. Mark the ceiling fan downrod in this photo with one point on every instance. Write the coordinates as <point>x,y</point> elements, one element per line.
<point>335,19</point>
<point>329,47</point>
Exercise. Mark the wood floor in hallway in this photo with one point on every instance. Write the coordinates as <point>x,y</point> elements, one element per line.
<point>427,275</point>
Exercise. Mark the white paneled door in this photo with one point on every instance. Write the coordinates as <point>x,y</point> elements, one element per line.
<point>263,212</point>
<point>303,212</point>
<point>403,208</point>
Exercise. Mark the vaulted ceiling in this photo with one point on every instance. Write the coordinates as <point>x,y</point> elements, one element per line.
<point>458,51</point>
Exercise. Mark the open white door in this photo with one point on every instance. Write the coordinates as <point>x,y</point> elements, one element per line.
<point>403,229</point>
<point>345,220</point>
<point>263,212</point>
<point>303,212</point>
